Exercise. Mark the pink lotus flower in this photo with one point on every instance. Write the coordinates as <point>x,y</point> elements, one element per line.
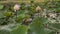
<point>16,7</point>
<point>38,8</point>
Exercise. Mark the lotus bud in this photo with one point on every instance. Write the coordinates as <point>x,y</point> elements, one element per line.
<point>16,7</point>
<point>38,8</point>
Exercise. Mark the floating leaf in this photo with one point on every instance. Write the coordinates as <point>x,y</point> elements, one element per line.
<point>37,26</point>
<point>1,7</point>
<point>20,30</point>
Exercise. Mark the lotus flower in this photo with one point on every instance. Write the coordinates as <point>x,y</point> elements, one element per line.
<point>38,8</point>
<point>16,7</point>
